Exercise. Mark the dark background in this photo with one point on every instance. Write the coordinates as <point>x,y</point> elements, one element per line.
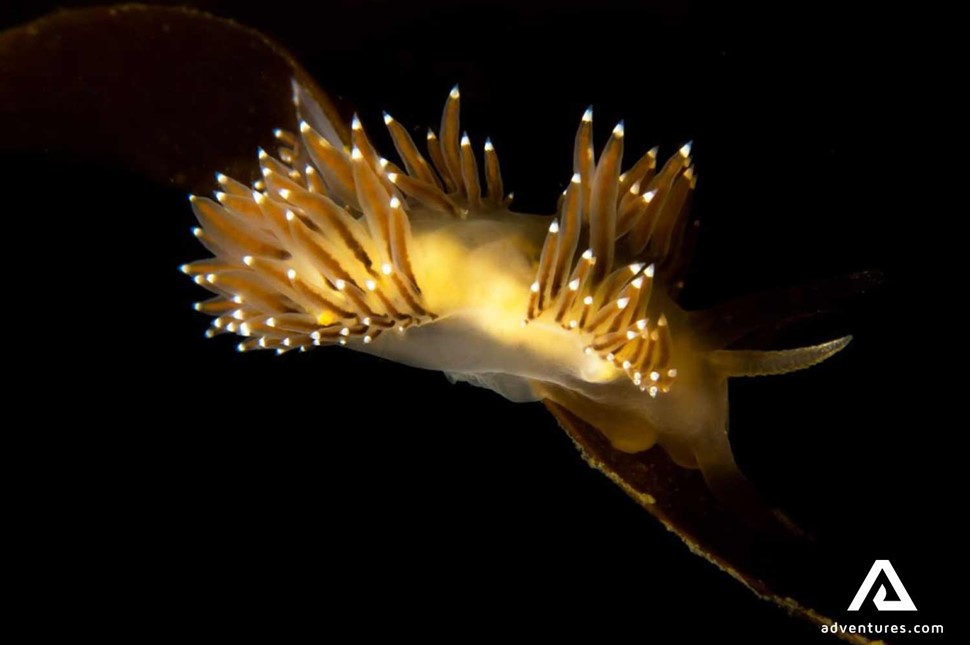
<point>215,486</point>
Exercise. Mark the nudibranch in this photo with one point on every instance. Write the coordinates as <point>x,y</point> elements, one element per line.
<point>422,261</point>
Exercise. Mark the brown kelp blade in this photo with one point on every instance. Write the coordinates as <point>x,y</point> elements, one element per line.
<point>171,93</point>
<point>786,572</point>
<point>746,319</point>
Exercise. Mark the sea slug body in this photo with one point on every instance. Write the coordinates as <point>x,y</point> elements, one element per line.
<point>422,261</point>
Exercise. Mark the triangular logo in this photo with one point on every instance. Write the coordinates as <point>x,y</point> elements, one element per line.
<point>905,603</point>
